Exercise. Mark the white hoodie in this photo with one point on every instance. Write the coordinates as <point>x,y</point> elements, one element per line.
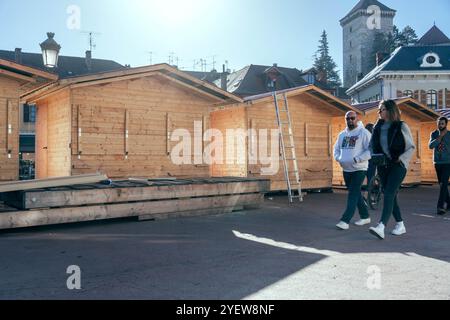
<point>352,149</point>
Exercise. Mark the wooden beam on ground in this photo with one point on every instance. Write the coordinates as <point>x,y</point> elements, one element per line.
<point>31,218</point>
<point>52,182</point>
<point>60,198</point>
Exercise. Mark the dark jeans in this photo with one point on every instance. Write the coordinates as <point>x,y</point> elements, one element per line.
<point>443,174</point>
<point>392,177</point>
<point>371,171</point>
<point>354,181</point>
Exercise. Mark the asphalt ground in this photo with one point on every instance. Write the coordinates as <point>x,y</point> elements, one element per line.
<point>279,251</point>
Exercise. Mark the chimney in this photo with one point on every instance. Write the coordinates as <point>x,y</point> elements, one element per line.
<point>223,79</point>
<point>380,57</point>
<point>89,60</point>
<point>18,55</point>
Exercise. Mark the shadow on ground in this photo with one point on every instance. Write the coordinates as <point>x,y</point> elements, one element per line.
<point>279,251</point>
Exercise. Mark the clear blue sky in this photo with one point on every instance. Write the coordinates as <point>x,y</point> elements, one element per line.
<point>240,31</point>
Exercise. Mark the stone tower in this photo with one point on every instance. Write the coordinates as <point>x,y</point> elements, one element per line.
<point>360,26</point>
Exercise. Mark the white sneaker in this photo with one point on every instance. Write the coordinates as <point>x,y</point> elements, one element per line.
<point>378,231</point>
<point>399,229</point>
<point>342,225</point>
<point>363,222</point>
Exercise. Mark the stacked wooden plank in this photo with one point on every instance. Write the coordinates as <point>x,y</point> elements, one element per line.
<point>145,199</point>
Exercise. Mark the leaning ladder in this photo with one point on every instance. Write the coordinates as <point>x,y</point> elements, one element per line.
<point>294,185</point>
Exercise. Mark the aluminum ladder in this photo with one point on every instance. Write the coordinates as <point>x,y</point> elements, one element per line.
<point>294,186</point>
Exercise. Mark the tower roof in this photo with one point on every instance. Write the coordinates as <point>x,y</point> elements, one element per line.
<point>434,36</point>
<point>364,5</point>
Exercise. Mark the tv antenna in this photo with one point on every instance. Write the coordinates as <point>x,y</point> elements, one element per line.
<point>91,34</point>
<point>150,56</point>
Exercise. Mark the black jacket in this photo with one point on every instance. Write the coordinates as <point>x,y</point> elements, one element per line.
<point>396,139</point>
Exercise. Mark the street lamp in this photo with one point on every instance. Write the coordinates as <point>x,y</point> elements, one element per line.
<point>50,51</point>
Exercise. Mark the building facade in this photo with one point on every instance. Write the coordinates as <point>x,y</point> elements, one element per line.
<point>420,71</point>
<point>360,27</point>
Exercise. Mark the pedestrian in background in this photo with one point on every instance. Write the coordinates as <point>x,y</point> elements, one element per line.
<point>440,143</point>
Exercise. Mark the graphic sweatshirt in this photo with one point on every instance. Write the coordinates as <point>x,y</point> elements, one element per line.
<point>352,149</point>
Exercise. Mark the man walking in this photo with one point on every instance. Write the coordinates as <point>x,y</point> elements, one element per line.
<point>352,152</point>
<point>440,142</point>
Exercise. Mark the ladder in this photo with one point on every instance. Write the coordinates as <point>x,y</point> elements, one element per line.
<point>294,186</point>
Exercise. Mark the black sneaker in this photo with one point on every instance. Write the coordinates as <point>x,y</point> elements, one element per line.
<point>441,211</point>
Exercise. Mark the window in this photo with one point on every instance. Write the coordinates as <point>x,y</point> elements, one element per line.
<point>432,99</point>
<point>29,113</point>
<point>351,29</point>
<point>351,44</point>
<point>431,60</point>
<point>351,58</point>
<point>408,93</point>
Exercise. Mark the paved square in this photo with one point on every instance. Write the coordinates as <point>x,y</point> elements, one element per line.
<point>275,252</point>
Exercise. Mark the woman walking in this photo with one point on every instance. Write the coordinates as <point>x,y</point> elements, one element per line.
<point>392,148</point>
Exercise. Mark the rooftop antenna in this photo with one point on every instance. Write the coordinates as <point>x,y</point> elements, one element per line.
<point>171,54</point>
<point>91,34</point>
<point>213,61</point>
<point>150,56</point>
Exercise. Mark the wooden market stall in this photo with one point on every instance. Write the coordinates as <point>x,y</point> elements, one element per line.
<point>14,79</point>
<point>120,123</point>
<point>419,118</point>
<point>312,111</point>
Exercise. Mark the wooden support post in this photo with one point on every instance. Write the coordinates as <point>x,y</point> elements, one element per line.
<point>79,148</point>
<point>203,133</point>
<point>168,133</point>
<point>330,142</point>
<point>127,121</point>
<point>10,112</point>
<point>306,139</point>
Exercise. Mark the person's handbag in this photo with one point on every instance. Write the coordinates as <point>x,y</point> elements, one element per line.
<point>379,159</point>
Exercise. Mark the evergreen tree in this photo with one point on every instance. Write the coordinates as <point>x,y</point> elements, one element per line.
<point>387,43</point>
<point>324,64</point>
<point>407,37</point>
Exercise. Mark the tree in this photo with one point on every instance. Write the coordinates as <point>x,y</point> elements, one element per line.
<point>407,37</point>
<point>387,43</point>
<point>324,64</point>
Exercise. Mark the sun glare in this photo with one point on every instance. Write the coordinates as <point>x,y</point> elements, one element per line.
<point>175,12</point>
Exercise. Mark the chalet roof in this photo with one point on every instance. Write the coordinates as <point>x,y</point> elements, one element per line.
<point>372,106</point>
<point>162,70</point>
<point>24,73</point>
<point>309,89</point>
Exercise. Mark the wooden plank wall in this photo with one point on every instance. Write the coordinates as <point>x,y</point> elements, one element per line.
<point>414,175</point>
<point>53,137</point>
<point>311,119</point>
<point>9,129</point>
<point>122,128</point>
<point>233,119</point>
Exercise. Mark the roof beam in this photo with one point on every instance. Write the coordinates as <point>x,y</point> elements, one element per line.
<point>17,75</point>
<point>37,72</point>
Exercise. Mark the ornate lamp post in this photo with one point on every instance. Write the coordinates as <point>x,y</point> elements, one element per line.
<point>50,51</point>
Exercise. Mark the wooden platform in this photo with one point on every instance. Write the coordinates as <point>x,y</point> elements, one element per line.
<point>145,199</point>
